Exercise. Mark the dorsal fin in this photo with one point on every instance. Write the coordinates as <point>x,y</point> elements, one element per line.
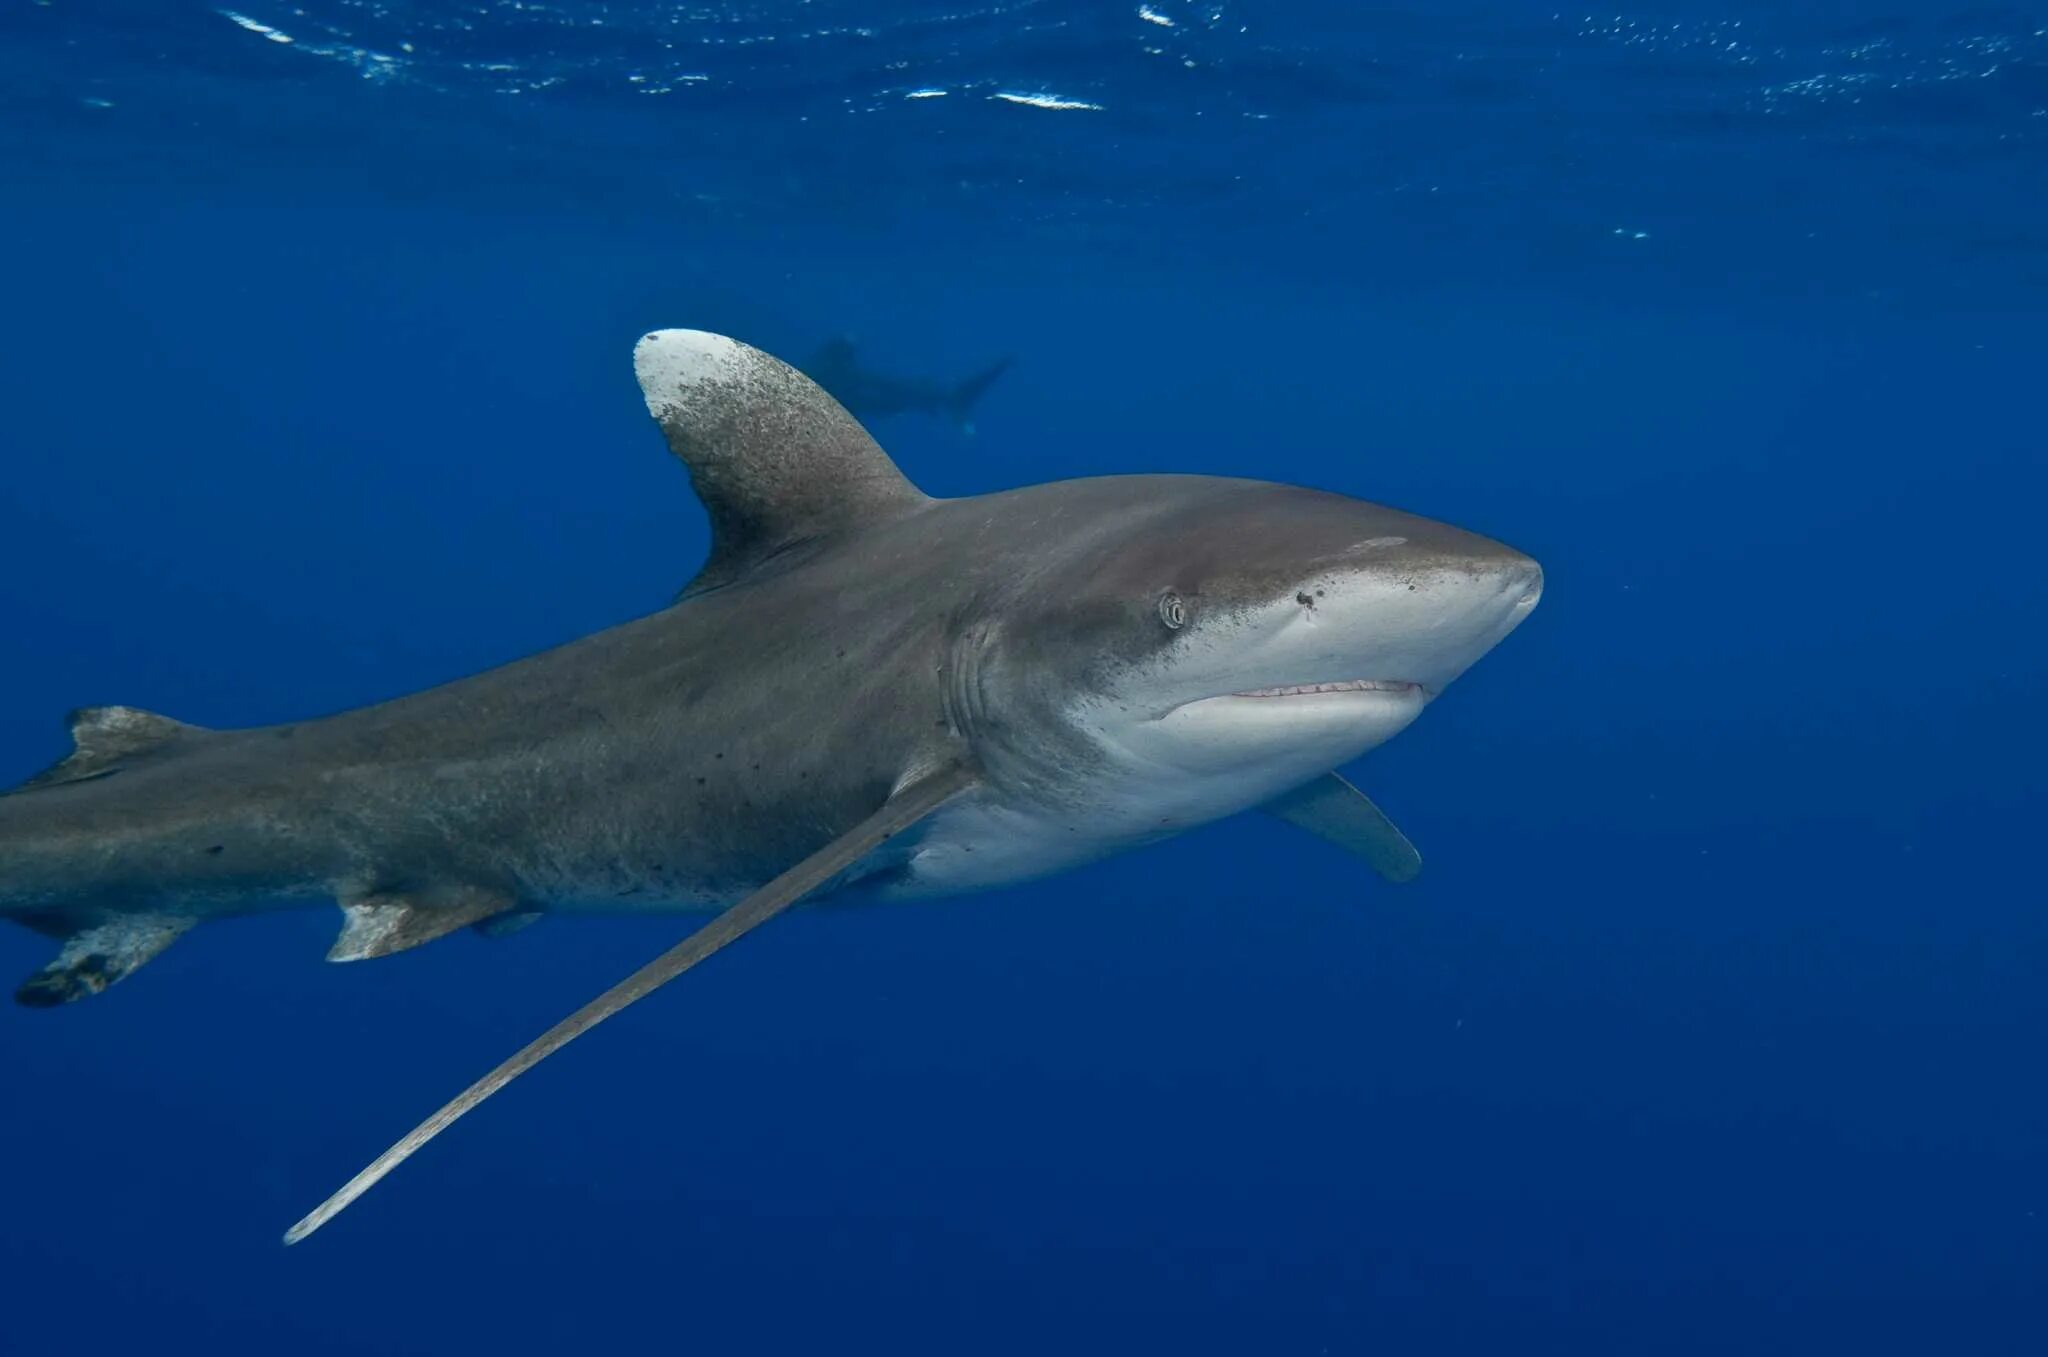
<point>775,460</point>
<point>104,737</point>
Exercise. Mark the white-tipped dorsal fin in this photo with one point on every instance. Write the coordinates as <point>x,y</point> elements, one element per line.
<point>395,921</point>
<point>775,460</point>
<point>103,738</point>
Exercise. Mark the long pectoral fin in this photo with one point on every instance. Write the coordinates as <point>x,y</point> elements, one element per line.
<point>901,811</point>
<point>1331,808</point>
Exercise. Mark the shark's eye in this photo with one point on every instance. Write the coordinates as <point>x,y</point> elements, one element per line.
<point>1172,611</point>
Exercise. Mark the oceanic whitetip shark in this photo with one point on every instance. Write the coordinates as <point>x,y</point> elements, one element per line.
<point>863,685</point>
<point>870,394</point>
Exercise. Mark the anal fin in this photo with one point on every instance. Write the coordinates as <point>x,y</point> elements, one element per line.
<point>96,957</point>
<point>505,925</point>
<point>379,924</point>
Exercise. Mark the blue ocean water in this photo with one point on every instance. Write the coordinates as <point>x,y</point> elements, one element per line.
<point>1715,1021</point>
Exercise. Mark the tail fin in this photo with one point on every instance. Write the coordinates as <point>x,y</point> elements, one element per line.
<point>966,395</point>
<point>106,738</point>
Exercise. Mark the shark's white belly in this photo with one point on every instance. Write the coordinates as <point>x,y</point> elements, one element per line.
<point>987,841</point>
<point>975,844</point>
<point>982,843</point>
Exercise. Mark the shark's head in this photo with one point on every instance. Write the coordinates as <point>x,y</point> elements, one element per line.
<point>1218,642</point>
<point>1128,655</point>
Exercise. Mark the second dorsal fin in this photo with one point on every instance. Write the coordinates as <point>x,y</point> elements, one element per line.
<point>775,460</point>
<point>104,738</point>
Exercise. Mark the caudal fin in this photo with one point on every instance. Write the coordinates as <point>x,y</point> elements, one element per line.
<point>968,394</point>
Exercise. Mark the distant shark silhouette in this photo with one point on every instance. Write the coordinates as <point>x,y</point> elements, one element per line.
<point>864,684</point>
<point>868,394</point>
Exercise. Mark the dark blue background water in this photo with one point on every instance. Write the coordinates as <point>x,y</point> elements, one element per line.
<point>1716,1021</point>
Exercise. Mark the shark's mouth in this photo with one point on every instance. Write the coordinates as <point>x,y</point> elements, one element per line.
<point>1341,686</point>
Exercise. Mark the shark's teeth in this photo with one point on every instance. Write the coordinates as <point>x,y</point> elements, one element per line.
<point>1343,686</point>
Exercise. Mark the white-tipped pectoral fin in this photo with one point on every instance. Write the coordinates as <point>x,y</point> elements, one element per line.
<point>1331,808</point>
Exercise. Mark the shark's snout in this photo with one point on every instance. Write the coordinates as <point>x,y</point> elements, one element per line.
<point>1524,579</point>
<point>1522,583</point>
<point>1411,612</point>
<point>1476,613</point>
<point>1518,582</point>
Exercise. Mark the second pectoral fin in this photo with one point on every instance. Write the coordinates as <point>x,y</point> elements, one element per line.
<point>1331,808</point>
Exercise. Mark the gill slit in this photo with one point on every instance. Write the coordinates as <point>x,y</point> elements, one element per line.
<point>962,693</point>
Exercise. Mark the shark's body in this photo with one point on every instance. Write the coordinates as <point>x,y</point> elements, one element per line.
<point>919,696</point>
<point>868,393</point>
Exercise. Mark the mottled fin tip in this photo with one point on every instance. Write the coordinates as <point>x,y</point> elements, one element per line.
<point>104,738</point>
<point>380,924</point>
<point>775,459</point>
<point>95,958</point>
<point>909,805</point>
